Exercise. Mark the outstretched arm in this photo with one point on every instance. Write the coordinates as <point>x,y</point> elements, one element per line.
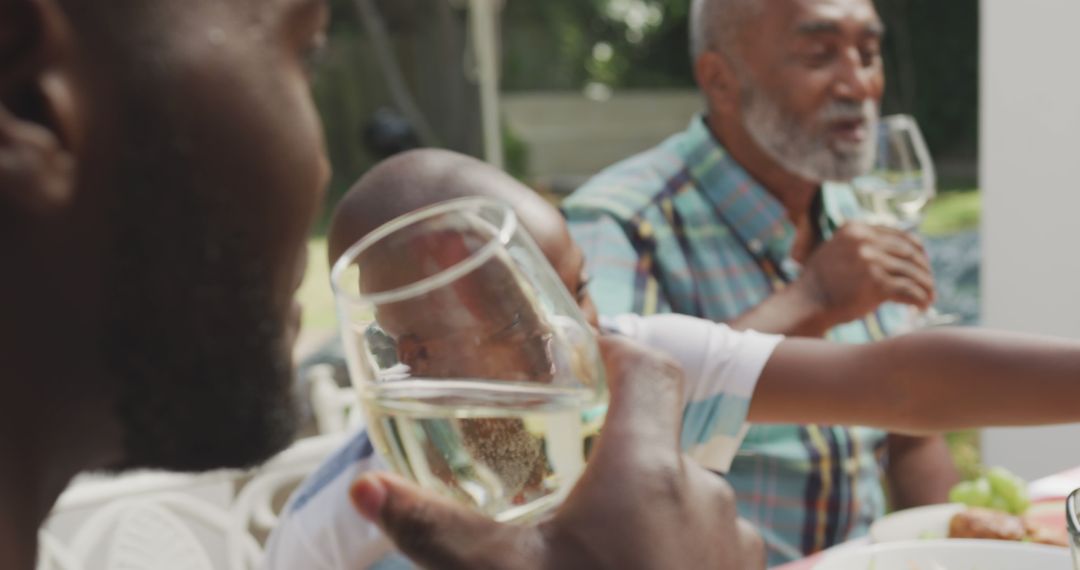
<point>923,382</point>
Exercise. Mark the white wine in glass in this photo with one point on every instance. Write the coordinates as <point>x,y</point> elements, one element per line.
<point>899,187</point>
<point>478,375</point>
<point>902,181</point>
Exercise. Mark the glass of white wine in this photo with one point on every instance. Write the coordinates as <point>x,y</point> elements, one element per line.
<point>902,181</point>
<point>478,375</point>
<point>899,187</point>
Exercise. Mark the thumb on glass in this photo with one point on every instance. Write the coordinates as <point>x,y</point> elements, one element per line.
<point>436,532</point>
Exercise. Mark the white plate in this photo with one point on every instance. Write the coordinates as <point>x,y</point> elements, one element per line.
<point>954,554</point>
<point>912,524</point>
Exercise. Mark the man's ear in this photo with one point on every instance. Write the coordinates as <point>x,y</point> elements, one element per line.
<point>717,81</point>
<point>39,118</point>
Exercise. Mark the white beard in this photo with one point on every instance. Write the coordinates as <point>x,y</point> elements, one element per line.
<point>804,150</point>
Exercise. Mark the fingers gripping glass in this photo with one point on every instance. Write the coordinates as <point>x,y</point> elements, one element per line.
<point>478,375</point>
<point>899,187</point>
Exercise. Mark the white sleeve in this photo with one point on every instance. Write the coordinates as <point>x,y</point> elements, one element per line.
<point>721,367</point>
<point>319,528</point>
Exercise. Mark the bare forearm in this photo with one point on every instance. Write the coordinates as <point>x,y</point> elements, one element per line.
<point>923,382</point>
<point>920,470</point>
<point>956,379</point>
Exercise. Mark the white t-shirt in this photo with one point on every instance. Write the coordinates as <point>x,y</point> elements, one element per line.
<point>320,529</point>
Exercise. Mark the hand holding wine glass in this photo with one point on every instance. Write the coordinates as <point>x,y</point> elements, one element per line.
<point>639,504</point>
<point>862,266</point>
<point>477,373</point>
<point>899,187</point>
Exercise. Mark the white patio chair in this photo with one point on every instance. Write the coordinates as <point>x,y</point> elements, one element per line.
<point>335,408</point>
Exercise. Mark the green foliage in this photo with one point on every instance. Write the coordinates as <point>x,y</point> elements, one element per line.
<point>347,91</point>
<point>315,295</point>
<point>515,153</point>
<point>931,62</point>
<point>953,211</point>
<point>931,53</point>
<point>560,44</point>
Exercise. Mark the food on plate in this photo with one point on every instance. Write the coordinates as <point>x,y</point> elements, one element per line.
<point>998,489</point>
<point>978,522</point>
<point>997,502</point>
<point>1043,534</point>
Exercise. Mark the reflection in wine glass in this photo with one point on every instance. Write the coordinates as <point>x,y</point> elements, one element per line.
<point>477,372</point>
<point>899,187</point>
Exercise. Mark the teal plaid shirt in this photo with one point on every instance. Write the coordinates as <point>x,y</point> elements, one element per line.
<point>682,228</point>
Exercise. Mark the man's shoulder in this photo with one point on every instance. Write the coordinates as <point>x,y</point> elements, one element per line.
<point>630,186</point>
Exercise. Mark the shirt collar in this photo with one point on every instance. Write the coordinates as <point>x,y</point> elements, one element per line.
<point>752,213</point>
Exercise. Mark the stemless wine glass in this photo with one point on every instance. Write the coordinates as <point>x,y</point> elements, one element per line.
<point>899,187</point>
<point>478,374</point>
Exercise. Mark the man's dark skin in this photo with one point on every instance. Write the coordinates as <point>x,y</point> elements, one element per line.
<point>147,306</point>
<point>161,163</point>
<point>807,53</point>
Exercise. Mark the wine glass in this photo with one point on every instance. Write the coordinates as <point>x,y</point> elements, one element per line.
<point>478,375</point>
<point>1072,517</point>
<point>899,187</point>
<point>902,181</point>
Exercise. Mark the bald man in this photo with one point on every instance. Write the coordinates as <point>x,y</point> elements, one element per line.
<point>746,218</point>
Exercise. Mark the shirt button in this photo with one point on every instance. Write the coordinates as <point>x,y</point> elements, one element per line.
<point>756,246</point>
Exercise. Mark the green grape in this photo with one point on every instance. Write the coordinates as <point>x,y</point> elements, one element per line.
<point>998,489</point>
<point>975,493</point>
<point>962,492</point>
<point>1003,482</point>
<point>1020,506</point>
<point>984,493</point>
<point>1010,488</point>
<point>999,503</point>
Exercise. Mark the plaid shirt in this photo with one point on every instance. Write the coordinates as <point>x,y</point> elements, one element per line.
<point>683,228</point>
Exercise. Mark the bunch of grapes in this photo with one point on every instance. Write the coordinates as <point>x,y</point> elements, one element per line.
<point>996,489</point>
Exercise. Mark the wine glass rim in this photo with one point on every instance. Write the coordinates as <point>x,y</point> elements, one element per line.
<point>903,119</point>
<point>506,229</point>
<point>906,122</point>
<point>1072,515</point>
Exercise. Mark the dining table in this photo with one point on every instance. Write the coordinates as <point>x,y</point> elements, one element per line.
<point>1047,496</point>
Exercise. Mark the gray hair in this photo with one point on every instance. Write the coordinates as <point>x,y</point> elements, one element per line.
<point>714,24</point>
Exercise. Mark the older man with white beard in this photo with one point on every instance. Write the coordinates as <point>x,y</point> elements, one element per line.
<point>745,217</point>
